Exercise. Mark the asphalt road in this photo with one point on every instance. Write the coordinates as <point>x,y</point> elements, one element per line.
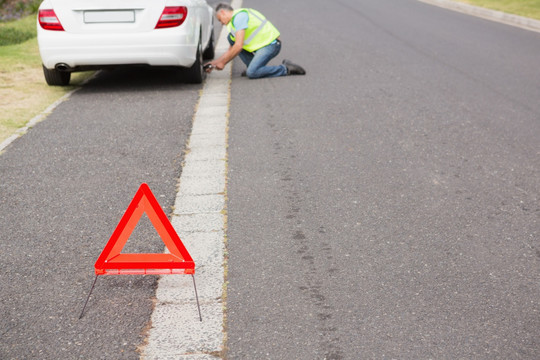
<point>386,205</point>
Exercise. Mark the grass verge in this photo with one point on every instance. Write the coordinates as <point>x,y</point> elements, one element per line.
<point>23,89</point>
<point>527,8</point>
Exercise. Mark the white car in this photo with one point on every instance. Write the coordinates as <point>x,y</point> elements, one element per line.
<point>80,35</point>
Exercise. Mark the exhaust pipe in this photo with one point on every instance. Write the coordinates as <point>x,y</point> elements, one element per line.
<point>62,67</point>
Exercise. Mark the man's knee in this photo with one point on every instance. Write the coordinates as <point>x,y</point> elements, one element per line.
<point>252,74</point>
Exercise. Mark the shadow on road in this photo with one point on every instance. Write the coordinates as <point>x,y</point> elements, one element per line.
<point>139,78</point>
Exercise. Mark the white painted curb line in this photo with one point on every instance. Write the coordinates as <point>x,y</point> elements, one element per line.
<point>493,15</point>
<point>200,220</point>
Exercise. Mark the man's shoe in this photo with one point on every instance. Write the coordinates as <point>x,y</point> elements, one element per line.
<point>244,73</point>
<point>293,69</point>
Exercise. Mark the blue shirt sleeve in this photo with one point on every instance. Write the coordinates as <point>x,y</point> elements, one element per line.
<point>241,21</point>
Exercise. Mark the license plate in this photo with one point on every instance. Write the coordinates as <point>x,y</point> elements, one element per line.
<point>114,16</point>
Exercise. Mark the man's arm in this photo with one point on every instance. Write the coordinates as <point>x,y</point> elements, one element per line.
<point>233,51</point>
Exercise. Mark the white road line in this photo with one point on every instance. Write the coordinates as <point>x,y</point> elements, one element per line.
<point>200,220</point>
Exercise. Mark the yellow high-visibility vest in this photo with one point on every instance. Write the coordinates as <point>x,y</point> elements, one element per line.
<point>259,33</point>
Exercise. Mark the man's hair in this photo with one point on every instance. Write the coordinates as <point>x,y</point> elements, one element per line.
<point>223,6</point>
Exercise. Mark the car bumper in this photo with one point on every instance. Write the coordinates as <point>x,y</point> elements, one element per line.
<point>158,48</point>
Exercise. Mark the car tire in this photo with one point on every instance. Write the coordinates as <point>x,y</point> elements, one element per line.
<point>209,52</point>
<point>54,77</point>
<point>196,74</point>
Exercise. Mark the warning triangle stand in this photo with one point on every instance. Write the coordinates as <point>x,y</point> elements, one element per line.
<point>113,262</point>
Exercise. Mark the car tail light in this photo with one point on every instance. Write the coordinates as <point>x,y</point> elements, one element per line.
<point>172,16</point>
<point>49,21</point>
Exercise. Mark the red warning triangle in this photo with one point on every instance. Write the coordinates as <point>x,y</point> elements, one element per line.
<point>112,262</point>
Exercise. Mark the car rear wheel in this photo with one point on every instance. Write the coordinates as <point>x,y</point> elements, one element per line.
<point>196,73</point>
<point>54,77</point>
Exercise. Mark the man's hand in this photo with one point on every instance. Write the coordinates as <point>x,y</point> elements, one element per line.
<point>216,64</point>
<point>219,64</point>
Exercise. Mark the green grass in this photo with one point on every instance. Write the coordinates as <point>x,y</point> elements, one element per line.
<point>527,8</point>
<point>22,52</point>
<point>16,32</point>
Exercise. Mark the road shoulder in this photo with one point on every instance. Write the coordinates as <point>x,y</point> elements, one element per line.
<point>493,15</point>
